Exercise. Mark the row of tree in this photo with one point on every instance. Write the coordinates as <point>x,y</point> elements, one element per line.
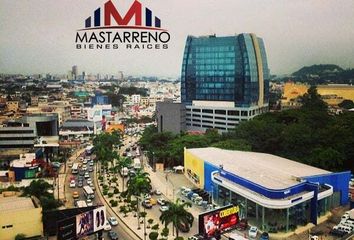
<point>309,135</point>
<point>140,184</point>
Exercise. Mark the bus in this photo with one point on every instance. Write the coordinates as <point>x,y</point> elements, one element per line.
<point>89,192</point>
<point>81,203</point>
<point>89,150</point>
<point>75,168</point>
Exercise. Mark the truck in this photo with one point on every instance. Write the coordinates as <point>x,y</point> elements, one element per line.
<point>137,163</point>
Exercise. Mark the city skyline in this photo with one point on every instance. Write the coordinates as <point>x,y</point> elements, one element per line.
<point>296,34</point>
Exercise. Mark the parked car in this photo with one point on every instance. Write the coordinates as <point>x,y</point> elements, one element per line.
<point>87,175</point>
<point>113,221</point>
<point>72,184</point>
<point>158,192</point>
<point>163,208</point>
<point>113,235</point>
<point>146,204</point>
<point>90,169</point>
<point>252,233</point>
<point>161,201</point>
<point>264,236</point>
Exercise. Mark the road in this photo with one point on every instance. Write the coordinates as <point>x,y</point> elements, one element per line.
<point>122,231</point>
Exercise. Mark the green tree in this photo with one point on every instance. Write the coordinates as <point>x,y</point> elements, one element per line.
<point>177,215</point>
<point>153,235</point>
<point>20,236</point>
<point>312,101</point>
<point>138,185</point>
<point>346,104</point>
<point>233,144</point>
<point>123,163</point>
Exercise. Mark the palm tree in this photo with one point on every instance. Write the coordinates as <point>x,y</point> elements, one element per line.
<point>177,215</point>
<point>123,163</point>
<point>138,185</point>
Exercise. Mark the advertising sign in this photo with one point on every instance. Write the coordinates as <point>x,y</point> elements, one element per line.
<point>82,224</point>
<point>218,221</point>
<point>100,217</point>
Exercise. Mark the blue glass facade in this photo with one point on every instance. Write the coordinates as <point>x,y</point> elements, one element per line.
<point>224,69</point>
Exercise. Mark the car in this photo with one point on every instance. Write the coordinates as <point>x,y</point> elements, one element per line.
<point>153,201</point>
<point>90,169</point>
<point>91,163</point>
<point>161,201</point>
<point>158,192</point>
<point>84,161</point>
<point>252,233</point>
<point>146,204</point>
<point>163,208</point>
<point>107,226</point>
<point>264,236</point>
<point>113,221</point>
<point>89,202</point>
<point>80,184</point>
<point>87,175</point>
<point>72,184</point>
<point>91,184</point>
<point>112,235</point>
<point>84,168</point>
<point>89,181</point>
<point>76,195</point>
<point>70,165</point>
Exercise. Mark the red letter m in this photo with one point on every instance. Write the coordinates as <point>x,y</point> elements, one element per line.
<point>110,10</point>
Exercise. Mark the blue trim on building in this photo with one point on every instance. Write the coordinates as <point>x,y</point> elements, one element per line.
<point>339,181</point>
<point>208,169</point>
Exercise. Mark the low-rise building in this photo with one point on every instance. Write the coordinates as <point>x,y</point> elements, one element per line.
<point>19,215</point>
<point>273,193</point>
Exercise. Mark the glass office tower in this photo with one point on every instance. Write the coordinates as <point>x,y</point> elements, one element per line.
<point>221,77</point>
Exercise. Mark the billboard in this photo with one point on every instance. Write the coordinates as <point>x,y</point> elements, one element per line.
<point>218,221</point>
<point>82,224</point>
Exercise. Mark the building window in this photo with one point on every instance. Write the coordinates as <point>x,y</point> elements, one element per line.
<point>222,118</point>
<point>220,112</point>
<point>161,123</point>
<point>244,113</point>
<point>207,111</point>
<point>196,115</point>
<point>206,116</point>
<point>196,110</point>
<point>233,113</point>
<point>221,123</point>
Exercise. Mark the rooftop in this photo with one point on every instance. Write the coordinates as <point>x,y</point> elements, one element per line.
<point>8,204</point>
<point>267,170</point>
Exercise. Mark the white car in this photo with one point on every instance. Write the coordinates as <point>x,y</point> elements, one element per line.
<point>84,168</point>
<point>163,208</point>
<point>84,161</point>
<point>147,196</point>
<point>107,226</point>
<point>157,192</point>
<point>89,181</point>
<point>87,175</point>
<point>72,184</point>
<point>89,202</point>
<point>252,233</point>
<point>113,221</point>
<point>161,201</point>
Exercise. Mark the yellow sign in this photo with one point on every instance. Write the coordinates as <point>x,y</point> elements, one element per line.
<point>229,211</point>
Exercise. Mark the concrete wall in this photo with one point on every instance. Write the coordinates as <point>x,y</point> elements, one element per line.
<point>170,117</point>
<point>28,222</point>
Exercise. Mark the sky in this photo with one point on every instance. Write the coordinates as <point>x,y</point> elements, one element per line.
<point>38,36</point>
